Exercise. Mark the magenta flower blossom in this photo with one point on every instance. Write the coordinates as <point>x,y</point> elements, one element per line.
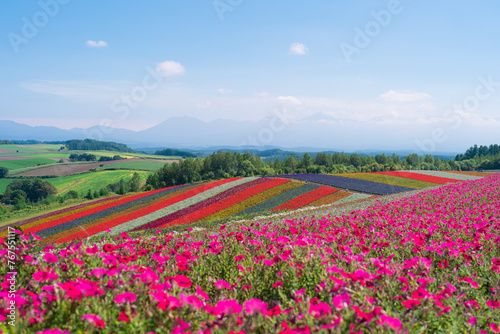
<point>411,303</point>
<point>319,310</point>
<point>493,303</point>
<point>183,281</point>
<point>50,258</point>
<point>99,272</point>
<point>92,250</point>
<point>229,307</point>
<point>393,323</point>
<point>342,300</point>
<point>53,331</point>
<point>42,276</point>
<point>78,262</point>
<point>125,297</point>
<point>255,306</point>
<point>95,320</point>
<point>221,284</point>
<point>201,293</point>
<point>494,327</point>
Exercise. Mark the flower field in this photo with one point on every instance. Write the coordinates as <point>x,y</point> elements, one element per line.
<point>341,182</point>
<point>174,206</point>
<point>425,263</point>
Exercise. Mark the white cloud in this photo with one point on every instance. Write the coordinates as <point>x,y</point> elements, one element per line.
<point>289,100</point>
<point>404,96</point>
<point>262,95</point>
<point>170,68</point>
<point>298,49</point>
<point>95,44</point>
<point>204,105</point>
<point>225,91</point>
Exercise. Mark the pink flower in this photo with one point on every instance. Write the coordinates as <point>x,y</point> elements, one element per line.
<point>229,307</point>
<point>472,303</point>
<point>191,300</point>
<point>393,323</point>
<point>255,306</point>
<point>221,284</point>
<point>95,320</point>
<point>50,258</point>
<point>239,258</point>
<point>493,303</point>
<point>183,281</point>
<point>370,300</point>
<point>472,321</point>
<point>267,262</point>
<point>319,310</point>
<point>36,237</point>
<point>92,250</point>
<point>99,272</point>
<point>125,297</point>
<point>494,328</point>
<point>53,331</point>
<point>277,284</point>
<point>411,302</point>
<point>300,292</point>
<point>42,276</point>
<point>342,300</point>
<point>201,293</point>
<point>78,262</point>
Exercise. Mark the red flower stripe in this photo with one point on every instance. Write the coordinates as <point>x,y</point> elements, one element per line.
<point>140,213</point>
<point>420,177</point>
<point>226,203</point>
<point>54,213</point>
<point>201,205</point>
<point>305,199</point>
<point>65,219</point>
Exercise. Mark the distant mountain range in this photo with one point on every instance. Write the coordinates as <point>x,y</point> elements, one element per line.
<point>312,134</point>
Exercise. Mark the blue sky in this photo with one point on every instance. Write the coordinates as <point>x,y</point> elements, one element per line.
<point>239,59</point>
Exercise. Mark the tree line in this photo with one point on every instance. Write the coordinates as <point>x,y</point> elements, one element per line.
<point>221,165</point>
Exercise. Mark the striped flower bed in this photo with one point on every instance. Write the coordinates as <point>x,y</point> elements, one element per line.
<point>199,207</point>
<point>219,206</point>
<point>198,202</point>
<point>420,177</point>
<point>305,199</point>
<point>87,229</point>
<point>350,184</point>
<point>449,175</point>
<point>254,201</point>
<point>273,202</point>
<point>389,179</point>
<point>329,199</point>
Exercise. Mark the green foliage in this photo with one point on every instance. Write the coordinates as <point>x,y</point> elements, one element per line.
<point>174,152</point>
<point>3,172</point>
<point>32,190</point>
<point>82,157</point>
<point>94,145</point>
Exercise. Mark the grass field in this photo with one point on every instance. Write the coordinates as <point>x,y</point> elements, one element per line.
<point>23,163</point>
<point>136,165</point>
<point>42,154</point>
<point>15,148</point>
<point>3,184</point>
<point>82,183</point>
<point>50,147</point>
